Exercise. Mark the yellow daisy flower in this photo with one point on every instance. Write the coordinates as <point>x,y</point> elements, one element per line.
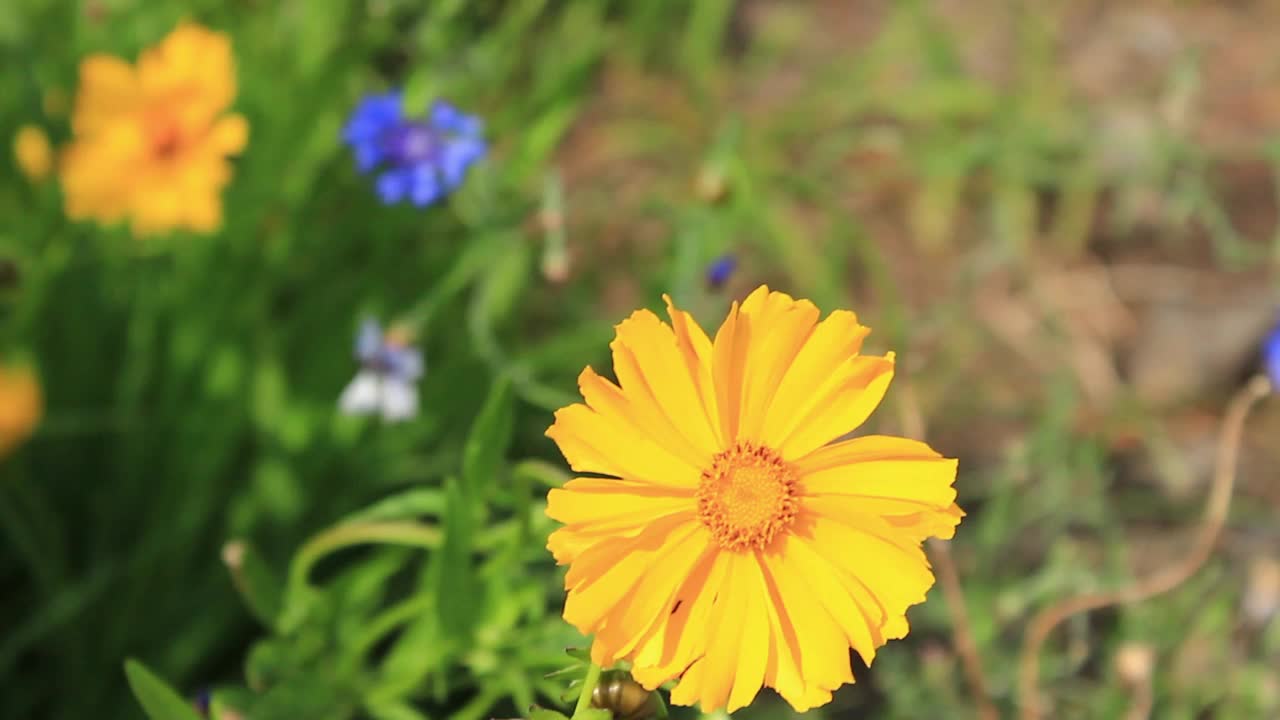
<point>20,406</point>
<point>733,544</point>
<point>151,140</point>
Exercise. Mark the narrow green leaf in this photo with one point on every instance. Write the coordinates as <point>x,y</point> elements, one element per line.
<point>158,700</point>
<point>490,436</point>
<point>394,710</point>
<point>416,653</point>
<point>458,592</point>
<point>412,503</point>
<point>259,585</point>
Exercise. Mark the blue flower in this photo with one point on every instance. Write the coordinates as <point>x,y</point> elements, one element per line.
<point>388,375</point>
<point>720,269</point>
<point>201,702</point>
<point>1271,356</point>
<point>417,159</point>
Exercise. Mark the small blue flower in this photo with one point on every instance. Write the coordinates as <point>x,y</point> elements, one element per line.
<point>201,702</point>
<point>720,269</point>
<point>388,375</point>
<point>1271,356</point>
<point>418,159</point>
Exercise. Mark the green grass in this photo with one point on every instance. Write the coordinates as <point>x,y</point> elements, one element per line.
<point>192,381</point>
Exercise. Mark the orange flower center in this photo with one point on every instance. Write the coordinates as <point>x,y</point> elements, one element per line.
<point>747,496</point>
<point>164,134</point>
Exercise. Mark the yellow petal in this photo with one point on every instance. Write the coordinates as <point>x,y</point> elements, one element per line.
<point>917,474</point>
<point>637,418</point>
<point>926,524</point>
<point>753,655</point>
<point>728,360</point>
<point>597,509</point>
<point>230,134</point>
<point>831,344</point>
<point>812,637</point>
<point>32,152</point>
<point>654,376</point>
<point>726,637</point>
<point>696,349</point>
<point>682,637</point>
<point>600,500</point>
<point>780,326</point>
<point>889,564</point>
<point>841,403</point>
<point>604,574</point>
<point>804,573</point>
<point>689,689</point>
<point>651,601</point>
<point>21,405</point>
<point>609,439</point>
<point>108,90</point>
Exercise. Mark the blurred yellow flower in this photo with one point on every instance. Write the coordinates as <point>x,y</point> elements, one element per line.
<point>151,140</point>
<point>21,406</point>
<point>733,544</point>
<point>32,152</point>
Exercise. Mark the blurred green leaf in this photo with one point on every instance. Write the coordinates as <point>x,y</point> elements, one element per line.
<point>411,503</point>
<point>160,701</point>
<point>394,711</point>
<point>487,443</point>
<point>260,587</point>
<point>417,652</point>
<point>458,592</point>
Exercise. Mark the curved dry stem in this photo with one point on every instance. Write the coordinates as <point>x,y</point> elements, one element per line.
<point>1215,515</point>
<point>940,554</point>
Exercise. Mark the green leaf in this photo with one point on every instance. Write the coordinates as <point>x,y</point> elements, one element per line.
<point>416,653</point>
<point>412,503</point>
<point>503,285</point>
<point>489,439</point>
<point>458,593</point>
<point>158,700</point>
<point>394,710</point>
<point>259,586</point>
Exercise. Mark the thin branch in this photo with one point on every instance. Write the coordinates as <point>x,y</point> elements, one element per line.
<point>1215,516</point>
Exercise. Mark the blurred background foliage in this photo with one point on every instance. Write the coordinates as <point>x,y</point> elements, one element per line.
<point>1063,218</point>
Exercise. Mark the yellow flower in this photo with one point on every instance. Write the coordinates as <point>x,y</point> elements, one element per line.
<point>20,406</point>
<point>151,140</point>
<point>32,152</point>
<point>733,544</point>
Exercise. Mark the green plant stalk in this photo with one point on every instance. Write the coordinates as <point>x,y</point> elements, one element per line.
<point>388,620</point>
<point>588,689</point>
<point>340,536</point>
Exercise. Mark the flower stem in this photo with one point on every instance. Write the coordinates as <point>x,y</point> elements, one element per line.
<point>588,689</point>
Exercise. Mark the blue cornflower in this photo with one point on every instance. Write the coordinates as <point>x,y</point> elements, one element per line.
<point>720,269</point>
<point>418,159</point>
<point>1271,356</point>
<point>388,375</point>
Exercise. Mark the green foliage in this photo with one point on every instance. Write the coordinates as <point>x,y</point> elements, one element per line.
<point>156,697</point>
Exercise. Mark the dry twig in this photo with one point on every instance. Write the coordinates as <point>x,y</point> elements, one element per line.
<point>1215,516</point>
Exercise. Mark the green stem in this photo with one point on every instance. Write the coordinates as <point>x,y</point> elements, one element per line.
<point>588,689</point>
<point>388,620</point>
<point>359,533</point>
